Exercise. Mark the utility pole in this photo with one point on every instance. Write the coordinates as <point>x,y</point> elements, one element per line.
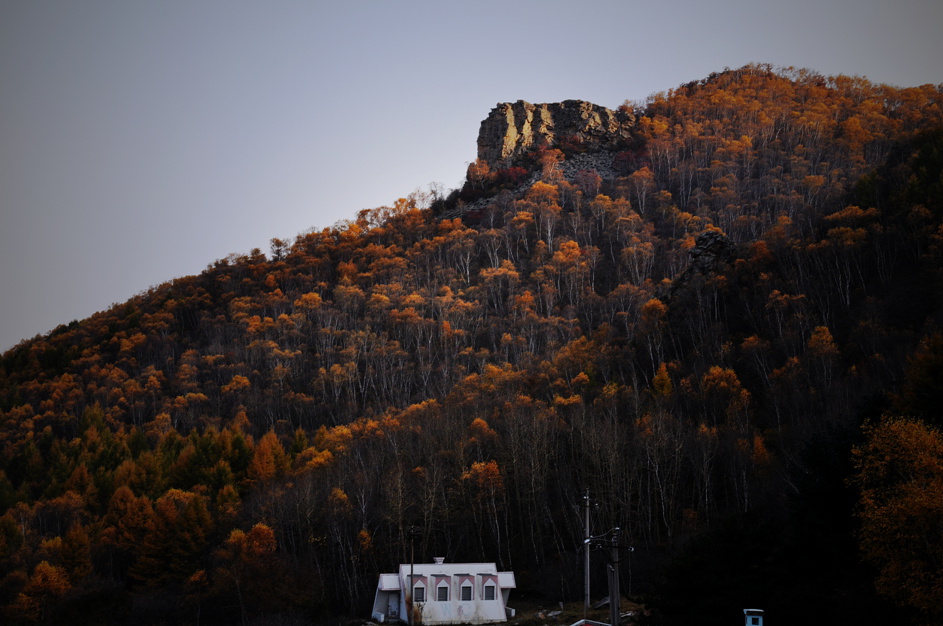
<point>615,614</point>
<point>586,556</point>
<point>413,533</point>
<point>611,538</point>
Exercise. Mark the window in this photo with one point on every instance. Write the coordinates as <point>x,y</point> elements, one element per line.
<point>754,621</point>
<point>442,593</point>
<point>489,591</point>
<point>419,593</point>
<point>466,592</point>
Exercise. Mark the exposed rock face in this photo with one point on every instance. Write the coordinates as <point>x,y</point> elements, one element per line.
<point>512,129</point>
<point>710,248</point>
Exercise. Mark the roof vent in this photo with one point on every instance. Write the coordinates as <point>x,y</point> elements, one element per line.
<point>439,560</point>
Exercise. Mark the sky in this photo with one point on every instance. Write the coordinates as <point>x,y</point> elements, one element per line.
<point>141,141</point>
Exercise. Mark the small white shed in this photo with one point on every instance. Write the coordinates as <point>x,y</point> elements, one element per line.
<point>444,593</point>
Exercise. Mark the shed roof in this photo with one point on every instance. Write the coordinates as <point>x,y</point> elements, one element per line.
<point>388,582</point>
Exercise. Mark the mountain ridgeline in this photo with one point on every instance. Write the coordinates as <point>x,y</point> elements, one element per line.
<point>719,310</point>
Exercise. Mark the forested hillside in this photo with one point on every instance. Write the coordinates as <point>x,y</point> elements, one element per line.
<point>698,338</point>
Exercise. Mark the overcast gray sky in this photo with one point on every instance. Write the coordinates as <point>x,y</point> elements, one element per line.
<point>141,141</point>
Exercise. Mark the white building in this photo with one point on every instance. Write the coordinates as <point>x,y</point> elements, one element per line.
<point>444,593</point>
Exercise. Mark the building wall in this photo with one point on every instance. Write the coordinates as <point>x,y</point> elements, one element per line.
<point>450,579</point>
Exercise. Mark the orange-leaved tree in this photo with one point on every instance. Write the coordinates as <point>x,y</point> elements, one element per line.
<point>899,474</point>
<point>246,565</point>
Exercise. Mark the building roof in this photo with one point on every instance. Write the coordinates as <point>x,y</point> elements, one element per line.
<point>456,569</point>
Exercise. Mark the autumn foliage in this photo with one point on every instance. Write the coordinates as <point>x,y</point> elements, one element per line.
<point>900,475</point>
<point>687,338</point>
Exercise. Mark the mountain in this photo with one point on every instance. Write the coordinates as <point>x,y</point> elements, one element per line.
<point>698,307</point>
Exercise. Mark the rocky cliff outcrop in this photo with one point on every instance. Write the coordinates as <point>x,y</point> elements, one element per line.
<point>513,129</point>
<point>712,251</point>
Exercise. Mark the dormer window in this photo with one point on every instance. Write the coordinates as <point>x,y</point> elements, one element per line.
<point>442,592</point>
<point>489,591</point>
<point>419,593</point>
<point>466,592</point>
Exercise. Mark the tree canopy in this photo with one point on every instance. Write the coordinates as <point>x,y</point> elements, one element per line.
<point>686,332</point>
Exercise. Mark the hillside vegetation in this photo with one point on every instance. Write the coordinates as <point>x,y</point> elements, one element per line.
<point>698,340</point>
